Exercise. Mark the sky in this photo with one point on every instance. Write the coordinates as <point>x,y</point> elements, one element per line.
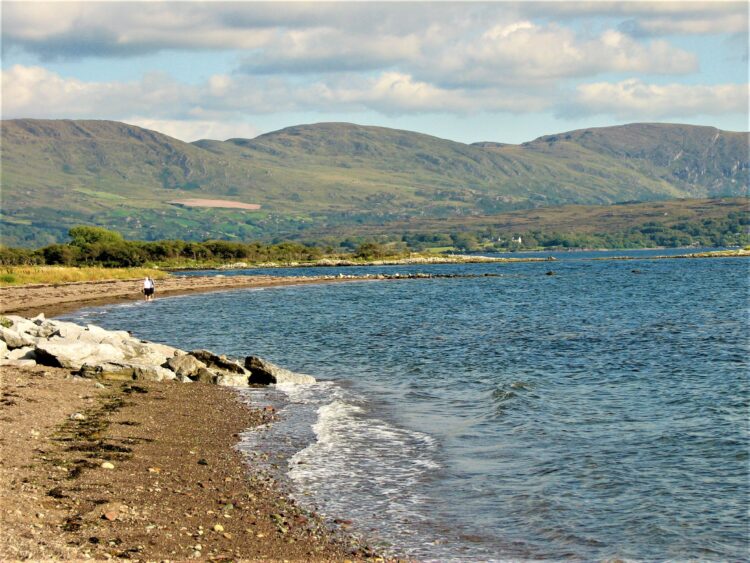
<point>466,71</point>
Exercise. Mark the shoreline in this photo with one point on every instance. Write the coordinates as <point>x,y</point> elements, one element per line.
<point>53,300</point>
<point>176,486</point>
<point>179,487</point>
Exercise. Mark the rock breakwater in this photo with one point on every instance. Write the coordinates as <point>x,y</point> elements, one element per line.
<point>95,353</point>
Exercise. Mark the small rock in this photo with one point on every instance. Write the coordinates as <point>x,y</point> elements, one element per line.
<point>218,528</point>
<point>110,515</point>
<point>227,535</point>
<point>77,416</point>
<point>202,461</point>
<point>107,465</point>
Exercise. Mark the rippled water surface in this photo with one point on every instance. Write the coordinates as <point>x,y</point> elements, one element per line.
<point>598,412</point>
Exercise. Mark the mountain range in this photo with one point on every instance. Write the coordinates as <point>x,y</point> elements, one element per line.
<point>60,173</point>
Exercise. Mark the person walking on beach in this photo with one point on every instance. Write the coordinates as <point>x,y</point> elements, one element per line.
<point>148,288</point>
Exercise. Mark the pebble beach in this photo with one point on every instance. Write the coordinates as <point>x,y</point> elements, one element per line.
<point>101,469</point>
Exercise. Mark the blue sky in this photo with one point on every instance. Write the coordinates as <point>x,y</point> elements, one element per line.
<point>497,71</point>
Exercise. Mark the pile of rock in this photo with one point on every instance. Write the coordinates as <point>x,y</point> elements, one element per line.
<point>93,352</point>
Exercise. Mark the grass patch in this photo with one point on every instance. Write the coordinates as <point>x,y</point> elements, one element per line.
<point>100,195</point>
<point>24,275</point>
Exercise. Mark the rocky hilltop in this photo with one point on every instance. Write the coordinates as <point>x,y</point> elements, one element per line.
<point>93,352</point>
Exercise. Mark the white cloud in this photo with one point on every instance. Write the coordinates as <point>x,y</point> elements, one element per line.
<point>633,99</point>
<point>447,43</point>
<point>524,52</point>
<point>37,92</point>
<point>220,106</point>
<point>194,130</point>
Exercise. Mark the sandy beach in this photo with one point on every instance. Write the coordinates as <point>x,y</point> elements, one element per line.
<point>30,300</point>
<point>176,489</point>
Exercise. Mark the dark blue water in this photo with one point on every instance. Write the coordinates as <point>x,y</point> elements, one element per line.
<point>597,413</point>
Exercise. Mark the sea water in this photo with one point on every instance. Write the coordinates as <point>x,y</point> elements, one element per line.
<point>598,412</point>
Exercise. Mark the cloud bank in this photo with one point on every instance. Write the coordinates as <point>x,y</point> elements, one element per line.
<point>570,59</point>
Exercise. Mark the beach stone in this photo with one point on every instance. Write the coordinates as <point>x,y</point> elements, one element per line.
<point>25,353</point>
<point>58,352</point>
<point>100,334</point>
<point>232,380</point>
<point>185,365</point>
<point>14,338</point>
<point>45,329</point>
<point>152,373</point>
<point>204,376</point>
<point>67,331</point>
<point>107,465</point>
<point>264,372</point>
<point>125,371</point>
<point>20,324</point>
<point>110,371</point>
<point>212,360</point>
<point>151,353</point>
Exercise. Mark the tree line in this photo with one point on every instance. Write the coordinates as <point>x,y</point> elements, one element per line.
<point>96,246</point>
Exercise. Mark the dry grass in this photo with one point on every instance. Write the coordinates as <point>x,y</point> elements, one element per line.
<point>24,275</point>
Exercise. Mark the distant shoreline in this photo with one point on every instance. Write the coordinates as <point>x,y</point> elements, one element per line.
<point>56,299</point>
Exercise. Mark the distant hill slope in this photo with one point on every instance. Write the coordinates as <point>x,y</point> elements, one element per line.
<point>688,156</point>
<point>59,173</point>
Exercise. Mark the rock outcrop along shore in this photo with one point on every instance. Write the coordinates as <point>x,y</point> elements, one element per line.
<point>95,353</point>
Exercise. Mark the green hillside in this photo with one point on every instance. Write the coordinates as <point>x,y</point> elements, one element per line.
<point>56,174</point>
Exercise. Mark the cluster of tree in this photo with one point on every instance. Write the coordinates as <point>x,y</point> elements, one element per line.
<point>97,246</point>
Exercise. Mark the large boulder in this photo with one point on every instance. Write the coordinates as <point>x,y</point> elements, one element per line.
<point>152,373</point>
<point>20,324</point>
<point>68,330</point>
<point>15,338</point>
<point>125,371</point>
<point>72,354</point>
<point>109,370</point>
<point>264,372</point>
<point>185,365</point>
<point>99,334</point>
<point>232,379</point>
<point>221,362</point>
<point>151,353</point>
<point>25,353</point>
<point>204,375</point>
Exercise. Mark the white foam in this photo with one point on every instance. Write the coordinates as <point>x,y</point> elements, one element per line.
<point>354,463</point>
